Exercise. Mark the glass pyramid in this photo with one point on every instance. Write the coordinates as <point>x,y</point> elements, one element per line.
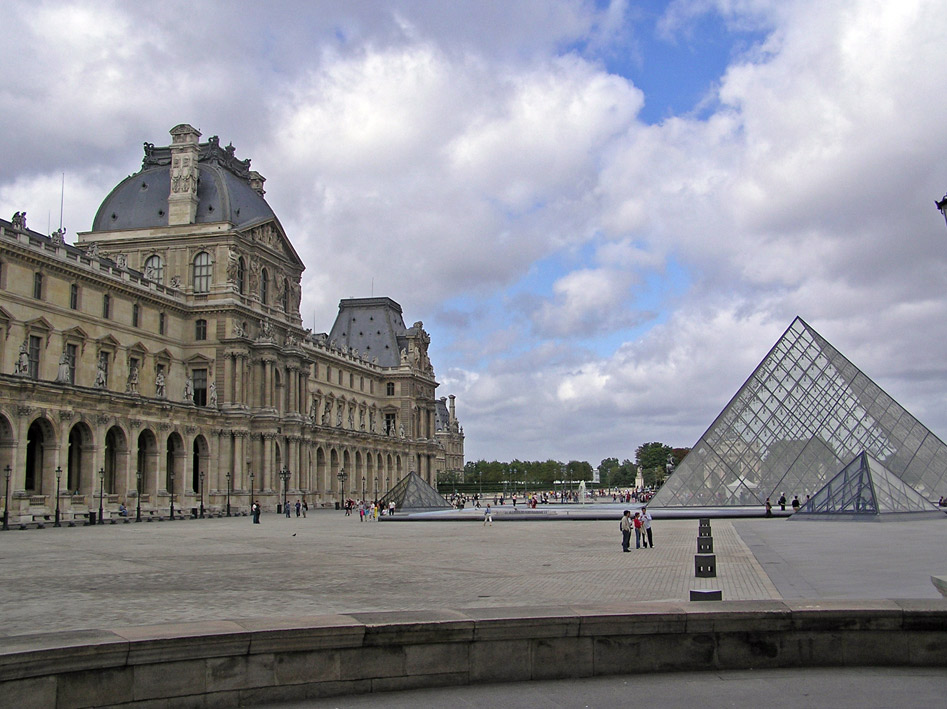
<point>413,493</point>
<point>866,489</point>
<point>802,415</point>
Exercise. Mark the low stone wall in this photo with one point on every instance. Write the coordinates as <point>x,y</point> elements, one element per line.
<point>243,663</point>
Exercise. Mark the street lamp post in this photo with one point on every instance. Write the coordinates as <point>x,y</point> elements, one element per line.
<point>375,490</point>
<point>6,498</point>
<point>284,476</point>
<point>251,487</point>
<point>342,476</point>
<point>58,478</point>
<point>138,497</point>
<point>101,492</point>
<point>202,494</point>
<point>228,493</point>
<point>171,491</point>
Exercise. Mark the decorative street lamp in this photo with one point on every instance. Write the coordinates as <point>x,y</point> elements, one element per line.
<point>251,486</point>
<point>363,488</point>
<point>6,498</point>
<point>171,491</point>
<point>342,476</point>
<point>202,494</point>
<point>284,476</point>
<point>228,493</point>
<point>138,497</point>
<point>58,477</point>
<point>375,489</point>
<point>101,492</point>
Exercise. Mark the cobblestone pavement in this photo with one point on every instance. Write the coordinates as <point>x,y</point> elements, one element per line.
<point>131,574</point>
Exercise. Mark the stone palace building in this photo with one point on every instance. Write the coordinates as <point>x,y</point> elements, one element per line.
<point>162,360</point>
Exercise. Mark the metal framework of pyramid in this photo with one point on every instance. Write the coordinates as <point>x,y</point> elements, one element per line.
<point>802,415</point>
<point>865,489</point>
<point>413,493</point>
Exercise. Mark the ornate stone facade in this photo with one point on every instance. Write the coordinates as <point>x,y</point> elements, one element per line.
<point>165,350</point>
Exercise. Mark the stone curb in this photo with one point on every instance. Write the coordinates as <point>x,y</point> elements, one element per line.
<point>246,662</point>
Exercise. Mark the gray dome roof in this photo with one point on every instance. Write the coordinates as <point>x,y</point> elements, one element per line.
<point>141,200</point>
<point>224,191</point>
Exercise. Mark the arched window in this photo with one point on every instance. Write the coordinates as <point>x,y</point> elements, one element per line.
<point>264,285</point>
<point>154,269</point>
<point>202,272</point>
<point>241,275</point>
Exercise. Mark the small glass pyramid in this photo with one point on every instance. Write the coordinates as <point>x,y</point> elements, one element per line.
<point>413,493</point>
<point>865,488</point>
<point>800,417</point>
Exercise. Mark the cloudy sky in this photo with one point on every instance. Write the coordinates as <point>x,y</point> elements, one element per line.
<point>604,213</point>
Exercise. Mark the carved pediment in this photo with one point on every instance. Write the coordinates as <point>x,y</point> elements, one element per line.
<point>270,235</point>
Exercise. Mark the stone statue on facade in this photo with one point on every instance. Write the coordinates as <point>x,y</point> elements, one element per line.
<point>63,375</point>
<point>58,236</point>
<point>160,392</point>
<point>19,220</point>
<point>338,417</point>
<point>188,389</point>
<point>22,364</point>
<point>131,386</point>
<point>121,260</point>
<point>351,420</point>
<point>212,395</point>
<point>233,266</point>
<point>401,430</point>
<point>92,250</point>
<point>238,330</point>
<point>326,413</point>
<point>100,371</point>
<point>175,282</point>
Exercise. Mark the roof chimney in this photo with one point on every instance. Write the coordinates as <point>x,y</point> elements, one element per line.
<point>182,202</point>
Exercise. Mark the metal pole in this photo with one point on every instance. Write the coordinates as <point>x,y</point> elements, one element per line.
<point>101,492</point>
<point>6,498</point>
<point>171,491</point>
<point>58,476</point>
<point>138,497</point>
<point>202,494</point>
<point>251,489</point>
<point>228,493</point>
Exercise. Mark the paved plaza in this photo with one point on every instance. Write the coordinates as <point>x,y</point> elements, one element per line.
<point>147,573</point>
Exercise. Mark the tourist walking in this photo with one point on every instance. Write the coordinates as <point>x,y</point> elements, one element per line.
<point>299,508</point>
<point>646,523</point>
<point>487,515</point>
<point>625,526</point>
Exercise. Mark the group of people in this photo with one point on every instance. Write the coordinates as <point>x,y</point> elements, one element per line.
<point>640,524</point>
<point>796,504</point>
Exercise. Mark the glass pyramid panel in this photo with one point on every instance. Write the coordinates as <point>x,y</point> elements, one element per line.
<point>413,493</point>
<point>866,487</point>
<point>797,420</point>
